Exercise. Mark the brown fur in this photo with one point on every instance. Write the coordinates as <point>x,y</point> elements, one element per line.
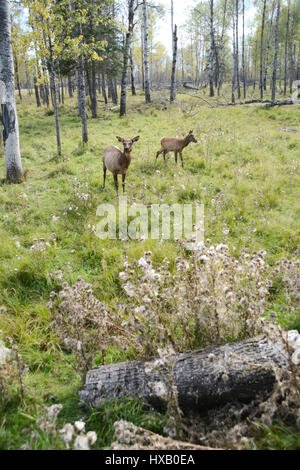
<point>173,144</point>
<point>117,161</point>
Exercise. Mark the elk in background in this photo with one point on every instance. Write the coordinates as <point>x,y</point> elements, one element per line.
<point>172,144</point>
<point>117,161</point>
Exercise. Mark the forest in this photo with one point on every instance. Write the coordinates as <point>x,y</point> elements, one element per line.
<point>150,225</point>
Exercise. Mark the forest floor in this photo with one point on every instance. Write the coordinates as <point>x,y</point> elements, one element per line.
<point>245,169</point>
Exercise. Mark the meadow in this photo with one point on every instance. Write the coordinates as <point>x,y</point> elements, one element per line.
<point>245,169</point>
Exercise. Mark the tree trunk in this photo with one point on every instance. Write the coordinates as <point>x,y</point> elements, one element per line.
<point>262,50</point>
<point>13,165</point>
<point>17,77</point>
<point>243,51</point>
<point>36,90</point>
<point>112,89</point>
<point>291,48</point>
<point>268,46</point>
<point>70,87</point>
<point>146,53</point>
<point>104,88</point>
<point>255,66</point>
<point>93,91</point>
<point>133,90</point>
<point>173,77</point>
<point>54,95</point>
<point>81,90</point>
<point>234,75</point>
<point>127,46</point>
<point>276,47</point>
<point>211,49</point>
<point>237,48</point>
<point>286,47</point>
<point>204,379</point>
<point>222,54</point>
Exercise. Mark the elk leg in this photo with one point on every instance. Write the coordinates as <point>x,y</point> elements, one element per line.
<point>158,154</point>
<point>176,157</point>
<point>181,159</point>
<point>116,183</point>
<point>165,153</point>
<point>124,182</point>
<point>104,176</point>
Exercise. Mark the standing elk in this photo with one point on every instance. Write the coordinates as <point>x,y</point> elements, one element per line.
<point>117,161</point>
<point>172,144</point>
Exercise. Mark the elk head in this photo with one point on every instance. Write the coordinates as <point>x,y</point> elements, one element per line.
<point>128,143</point>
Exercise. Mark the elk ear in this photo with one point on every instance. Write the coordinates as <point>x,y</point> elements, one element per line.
<point>120,139</point>
<point>136,139</point>
<point>191,132</point>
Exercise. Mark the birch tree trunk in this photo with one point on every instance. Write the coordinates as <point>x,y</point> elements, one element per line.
<point>262,50</point>
<point>133,90</point>
<point>222,54</point>
<point>93,91</point>
<point>243,52</point>
<point>173,78</point>
<point>268,45</point>
<point>237,49</point>
<point>255,66</point>
<point>211,49</point>
<point>13,165</point>
<point>276,47</point>
<point>291,47</point>
<point>126,54</point>
<point>234,75</point>
<point>70,87</point>
<point>286,47</point>
<point>81,90</point>
<point>146,53</point>
<point>54,96</point>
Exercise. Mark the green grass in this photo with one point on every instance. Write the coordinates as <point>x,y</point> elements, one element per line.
<point>245,170</point>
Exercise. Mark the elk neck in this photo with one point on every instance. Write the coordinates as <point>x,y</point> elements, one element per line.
<point>126,159</point>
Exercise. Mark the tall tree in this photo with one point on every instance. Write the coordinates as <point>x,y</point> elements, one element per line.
<point>276,48</point>
<point>286,47</point>
<point>237,48</point>
<point>243,49</point>
<point>270,31</point>
<point>126,53</point>
<point>174,62</point>
<point>13,165</point>
<point>146,53</point>
<point>212,49</point>
<point>262,50</point>
<point>234,53</point>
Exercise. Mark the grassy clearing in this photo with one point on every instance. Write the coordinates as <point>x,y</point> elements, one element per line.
<point>245,169</point>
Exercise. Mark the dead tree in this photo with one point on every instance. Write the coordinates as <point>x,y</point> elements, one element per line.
<point>204,379</point>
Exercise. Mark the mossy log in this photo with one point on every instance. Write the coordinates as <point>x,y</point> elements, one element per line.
<point>207,378</point>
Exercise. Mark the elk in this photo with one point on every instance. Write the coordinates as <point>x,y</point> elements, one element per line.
<point>172,144</point>
<point>117,161</point>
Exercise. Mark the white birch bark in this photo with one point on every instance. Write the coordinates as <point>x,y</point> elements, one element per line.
<point>13,165</point>
<point>146,53</point>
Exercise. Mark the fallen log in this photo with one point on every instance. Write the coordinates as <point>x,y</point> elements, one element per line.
<point>190,87</point>
<point>204,379</point>
<point>263,103</point>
